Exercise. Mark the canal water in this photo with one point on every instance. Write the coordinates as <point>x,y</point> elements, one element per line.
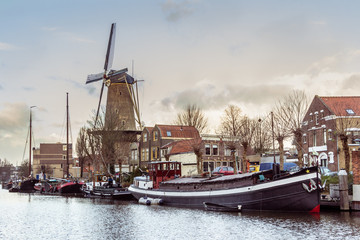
<point>34,216</point>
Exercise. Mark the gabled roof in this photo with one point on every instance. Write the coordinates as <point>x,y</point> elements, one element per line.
<point>178,131</point>
<point>184,146</point>
<point>343,106</point>
<point>149,129</point>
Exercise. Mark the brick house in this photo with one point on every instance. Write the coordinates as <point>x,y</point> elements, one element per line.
<point>216,152</point>
<point>322,124</point>
<point>153,138</point>
<point>51,159</point>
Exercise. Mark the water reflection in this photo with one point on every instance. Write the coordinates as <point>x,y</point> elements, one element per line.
<point>31,216</point>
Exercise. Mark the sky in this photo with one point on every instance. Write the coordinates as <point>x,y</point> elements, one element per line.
<point>204,52</point>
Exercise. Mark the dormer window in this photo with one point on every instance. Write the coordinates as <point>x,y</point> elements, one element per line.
<point>350,111</point>
<point>168,133</point>
<point>155,135</point>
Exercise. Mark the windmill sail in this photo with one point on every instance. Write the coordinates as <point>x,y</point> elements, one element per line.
<point>94,77</point>
<point>110,50</point>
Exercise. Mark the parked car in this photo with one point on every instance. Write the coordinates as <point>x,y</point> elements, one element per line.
<point>324,171</point>
<point>287,166</point>
<point>224,170</point>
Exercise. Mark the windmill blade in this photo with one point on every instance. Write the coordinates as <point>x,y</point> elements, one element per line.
<point>94,77</point>
<point>98,109</point>
<point>110,49</point>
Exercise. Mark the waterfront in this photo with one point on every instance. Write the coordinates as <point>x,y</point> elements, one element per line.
<point>33,216</point>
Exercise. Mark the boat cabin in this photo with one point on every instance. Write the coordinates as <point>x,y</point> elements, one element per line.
<point>163,171</point>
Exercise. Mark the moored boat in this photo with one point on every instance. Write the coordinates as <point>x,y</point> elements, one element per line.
<point>266,190</point>
<point>70,187</point>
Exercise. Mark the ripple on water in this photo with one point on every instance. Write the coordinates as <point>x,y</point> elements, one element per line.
<point>29,216</point>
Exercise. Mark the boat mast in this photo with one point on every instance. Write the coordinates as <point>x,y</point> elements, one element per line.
<point>67,134</point>
<point>30,141</point>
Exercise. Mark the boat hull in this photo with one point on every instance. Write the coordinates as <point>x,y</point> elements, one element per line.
<point>286,194</point>
<point>70,187</point>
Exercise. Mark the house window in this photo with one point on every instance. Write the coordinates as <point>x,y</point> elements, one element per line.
<point>208,166</point>
<point>145,137</point>
<point>134,155</point>
<point>207,149</point>
<point>215,149</point>
<point>227,152</point>
<point>304,139</point>
<point>147,154</point>
<point>143,155</point>
<point>330,137</point>
<point>316,119</point>
<point>168,133</point>
<point>155,135</point>
<point>153,153</point>
<point>64,147</point>
<point>314,138</point>
<point>324,136</point>
<point>64,157</point>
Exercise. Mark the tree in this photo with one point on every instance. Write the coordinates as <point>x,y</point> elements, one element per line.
<point>344,123</point>
<point>109,141</point>
<point>193,116</point>
<point>279,126</point>
<point>81,148</point>
<point>246,133</point>
<point>24,169</point>
<point>262,135</point>
<point>230,129</point>
<point>291,111</point>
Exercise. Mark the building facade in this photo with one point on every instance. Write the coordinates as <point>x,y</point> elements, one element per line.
<point>153,138</point>
<point>50,159</point>
<point>184,144</point>
<point>326,119</point>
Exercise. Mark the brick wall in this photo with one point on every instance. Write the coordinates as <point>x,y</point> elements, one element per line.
<point>356,166</point>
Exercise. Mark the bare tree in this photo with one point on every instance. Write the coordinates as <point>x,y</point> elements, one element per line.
<point>230,128</point>
<point>193,116</point>
<point>246,133</point>
<point>291,111</point>
<point>112,141</point>
<point>279,126</point>
<point>344,124</point>
<point>81,148</point>
<point>24,168</point>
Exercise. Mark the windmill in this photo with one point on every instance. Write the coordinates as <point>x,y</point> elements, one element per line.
<point>122,97</point>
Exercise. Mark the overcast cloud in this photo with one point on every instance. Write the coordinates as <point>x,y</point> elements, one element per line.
<point>211,53</point>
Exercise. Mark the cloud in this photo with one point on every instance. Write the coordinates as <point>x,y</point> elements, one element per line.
<point>351,83</point>
<point>174,10</point>
<point>210,96</point>
<point>6,47</point>
<point>13,117</point>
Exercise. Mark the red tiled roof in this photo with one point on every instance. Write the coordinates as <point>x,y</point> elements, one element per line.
<point>149,129</point>
<point>182,146</point>
<point>340,105</point>
<point>178,131</point>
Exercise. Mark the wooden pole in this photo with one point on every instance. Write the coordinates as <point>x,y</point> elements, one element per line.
<point>67,134</point>
<point>343,189</point>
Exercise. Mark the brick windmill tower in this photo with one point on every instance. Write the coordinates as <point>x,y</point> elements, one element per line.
<point>122,122</point>
<point>122,97</point>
